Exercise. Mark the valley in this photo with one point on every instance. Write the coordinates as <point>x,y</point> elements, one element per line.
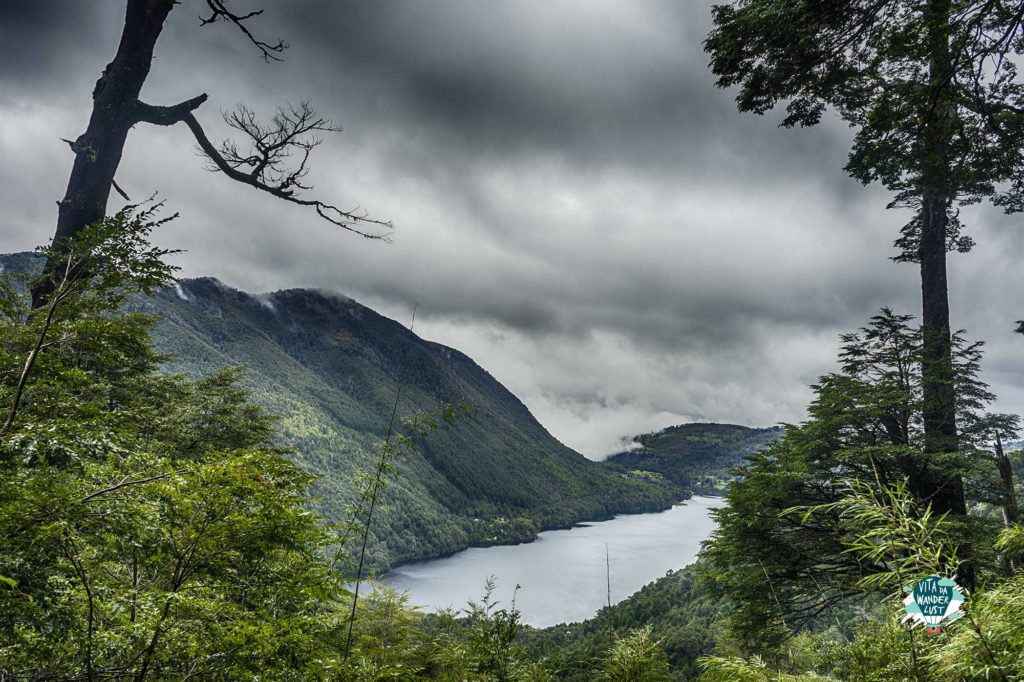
<point>330,368</point>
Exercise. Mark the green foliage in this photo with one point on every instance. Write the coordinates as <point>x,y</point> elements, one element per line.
<point>986,644</point>
<point>932,88</point>
<point>989,643</point>
<point>635,658</point>
<point>110,261</point>
<point>477,643</point>
<point>681,612</point>
<point>754,670</point>
<point>864,425</point>
<point>1011,540</point>
<point>880,650</point>
<point>149,528</point>
<point>892,532</point>
<point>387,642</point>
<point>696,457</point>
<point>492,634</point>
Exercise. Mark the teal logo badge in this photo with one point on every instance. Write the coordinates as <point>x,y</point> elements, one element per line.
<point>932,600</point>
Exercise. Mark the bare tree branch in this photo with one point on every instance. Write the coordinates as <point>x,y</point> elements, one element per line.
<point>166,116</point>
<point>291,133</point>
<point>292,130</point>
<point>219,11</point>
<point>120,191</point>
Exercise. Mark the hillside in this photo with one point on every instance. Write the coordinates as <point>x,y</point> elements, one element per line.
<point>330,367</point>
<point>681,612</point>
<point>695,456</point>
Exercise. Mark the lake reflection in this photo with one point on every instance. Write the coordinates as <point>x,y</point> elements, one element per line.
<point>562,573</point>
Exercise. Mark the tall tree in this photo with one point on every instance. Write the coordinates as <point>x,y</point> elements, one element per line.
<point>784,568</point>
<point>274,160</point>
<point>933,90</point>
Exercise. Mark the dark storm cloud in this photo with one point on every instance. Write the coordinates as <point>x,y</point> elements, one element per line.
<point>53,46</point>
<point>593,82</point>
<point>578,207</point>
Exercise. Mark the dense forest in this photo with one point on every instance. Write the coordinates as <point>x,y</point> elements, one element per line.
<point>331,368</point>
<point>196,482</point>
<point>696,457</point>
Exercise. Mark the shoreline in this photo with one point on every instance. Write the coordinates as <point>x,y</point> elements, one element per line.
<point>576,524</point>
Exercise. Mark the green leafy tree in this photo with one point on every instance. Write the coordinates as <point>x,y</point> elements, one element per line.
<point>637,657</point>
<point>450,657</point>
<point>989,643</point>
<point>149,528</point>
<point>492,636</point>
<point>985,644</point>
<point>752,670</point>
<point>933,90</point>
<point>480,642</point>
<point>387,641</point>
<point>786,570</point>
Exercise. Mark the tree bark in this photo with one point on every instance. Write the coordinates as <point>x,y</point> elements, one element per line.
<point>1008,492</point>
<point>1006,487</point>
<point>939,112</point>
<point>938,378</point>
<point>98,150</point>
<point>944,491</point>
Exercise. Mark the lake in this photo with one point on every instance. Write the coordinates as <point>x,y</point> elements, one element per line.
<point>562,574</point>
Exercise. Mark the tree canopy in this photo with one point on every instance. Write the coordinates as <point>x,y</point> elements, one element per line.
<point>933,91</point>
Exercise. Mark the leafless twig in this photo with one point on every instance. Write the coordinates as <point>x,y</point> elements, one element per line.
<point>267,162</point>
<point>219,12</point>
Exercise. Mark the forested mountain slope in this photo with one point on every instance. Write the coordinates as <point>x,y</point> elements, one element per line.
<point>681,612</point>
<point>330,368</point>
<point>696,457</point>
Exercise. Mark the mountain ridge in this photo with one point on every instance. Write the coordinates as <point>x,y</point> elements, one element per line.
<point>330,366</point>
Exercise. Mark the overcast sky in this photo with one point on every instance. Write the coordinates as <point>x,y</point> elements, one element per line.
<point>577,206</point>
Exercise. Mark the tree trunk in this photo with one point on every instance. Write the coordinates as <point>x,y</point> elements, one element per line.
<point>938,378</point>
<point>943,490</point>
<point>1006,487</point>
<point>1008,493</point>
<point>98,150</point>
<point>939,111</point>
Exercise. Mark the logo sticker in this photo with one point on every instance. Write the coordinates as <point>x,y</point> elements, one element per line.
<point>932,600</point>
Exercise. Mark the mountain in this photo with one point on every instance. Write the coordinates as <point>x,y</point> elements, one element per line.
<point>331,368</point>
<point>695,457</point>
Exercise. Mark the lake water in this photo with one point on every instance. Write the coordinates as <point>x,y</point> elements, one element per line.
<point>562,574</point>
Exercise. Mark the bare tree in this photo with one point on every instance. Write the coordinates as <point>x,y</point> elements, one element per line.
<point>273,158</point>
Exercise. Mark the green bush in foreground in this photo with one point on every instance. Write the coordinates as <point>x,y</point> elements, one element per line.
<point>148,527</point>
